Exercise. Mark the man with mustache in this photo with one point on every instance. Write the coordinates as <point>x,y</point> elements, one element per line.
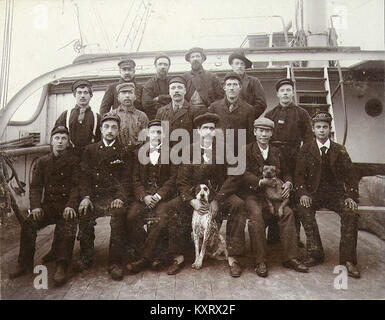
<point>54,198</point>
<point>292,126</point>
<point>203,87</point>
<point>133,122</point>
<point>252,91</point>
<point>155,91</point>
<point>104,189</point>
<point>83,123</point>
<point>127,74</point>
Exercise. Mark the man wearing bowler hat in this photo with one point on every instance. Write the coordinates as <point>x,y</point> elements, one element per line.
<point>258,154</point>
<point>54,198</point>
<point>155,91</point>
<point>127,73</point>
<point>203,87</point>
<point>292,127</point>
<point>252,91</point>
<point>324,178</point>
<point>83,123</point>
<point>104,189</point>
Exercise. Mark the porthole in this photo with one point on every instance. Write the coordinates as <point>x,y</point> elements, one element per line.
<point>373,107</point>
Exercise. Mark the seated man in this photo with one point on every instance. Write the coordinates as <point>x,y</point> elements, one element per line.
<point>212,172</point>
<point>258,154</point>
<point>104,189</point>
<point>53,198</point>
<point>154,186</point>
<point>324,178</point>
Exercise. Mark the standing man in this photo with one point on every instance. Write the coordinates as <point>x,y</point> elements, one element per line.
<point>127,73</point>
<point>259,154</point>
<point>210,172</point>
<point>179,113</point>
<point>155,91</point>
<point>54,197</point>
<point>203,87</point>
<point>83,123</point>
<point>104,189</point>
<point>292,127</point>
<point>154,187</point>
<point>252,91</point>
<point>234,113</point>
<point>133,122</point>
<point>324,178</point>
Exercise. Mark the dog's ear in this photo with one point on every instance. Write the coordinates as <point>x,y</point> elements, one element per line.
<point>193,190</point>
<point>261,169</point>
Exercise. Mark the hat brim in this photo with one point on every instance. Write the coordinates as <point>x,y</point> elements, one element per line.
<point>247,62</point>
<point>264,127</point>
<point>187,56</point>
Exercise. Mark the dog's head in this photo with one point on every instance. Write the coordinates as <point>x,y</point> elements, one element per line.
<point>203,193</point>
<point>269,172</point>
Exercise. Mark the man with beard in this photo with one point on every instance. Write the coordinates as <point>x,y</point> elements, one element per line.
<point>54,198</point>
<point>252,91</point>
<point>103,188</point>
<point>127,74</point>
<point>155,91</point>
<point>203,87</point>
<point>133,122</point>
<point>154,187</point>
<point>83,124</point>
<point>292,126</point>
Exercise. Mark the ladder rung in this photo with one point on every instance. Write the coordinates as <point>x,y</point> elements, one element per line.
<point>314,92</point>
<point>314,105</point>
<point>309,79</point>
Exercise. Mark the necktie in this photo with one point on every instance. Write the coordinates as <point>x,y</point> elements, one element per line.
<point>81,115</point>
<point>231,108</point>
<point>323,151</point>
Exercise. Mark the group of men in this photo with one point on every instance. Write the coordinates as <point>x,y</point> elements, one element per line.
<point>116,163</point>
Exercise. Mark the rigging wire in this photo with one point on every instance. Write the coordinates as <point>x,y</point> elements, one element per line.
<point>140,24</point>
<point>101,26</point>
<point>132,26</point>
<point>145,25</point>
<point>125,20</point>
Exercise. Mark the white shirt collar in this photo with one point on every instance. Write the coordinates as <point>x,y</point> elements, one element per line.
<point>108,145</point>
<point>326,144</point>
<point>265,152</point>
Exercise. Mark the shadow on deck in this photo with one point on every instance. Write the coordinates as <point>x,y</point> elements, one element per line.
<point>211,282</point>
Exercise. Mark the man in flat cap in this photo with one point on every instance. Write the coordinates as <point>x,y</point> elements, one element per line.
<point>154,188</point>
<point>83,123</point>
<point>179,113</point>
<point>127,73</point>
<point>258,154</point>
<point>234,113</point>
<point>133,122</point>
<point>292,128</point>
<point>54,198</point>
<point>213,173</point>
<point>203,87</point>
<point>104,189</point>
<point>324,178</point>
<point>252,91</point>
<point>155,91</point>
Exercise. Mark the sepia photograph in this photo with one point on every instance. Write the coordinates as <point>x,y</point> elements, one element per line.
<point>192,155</point>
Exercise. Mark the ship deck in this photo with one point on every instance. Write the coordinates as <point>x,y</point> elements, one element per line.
<point>212,282</point>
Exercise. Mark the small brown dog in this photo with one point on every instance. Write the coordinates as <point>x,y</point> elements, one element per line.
<point>274,194</point>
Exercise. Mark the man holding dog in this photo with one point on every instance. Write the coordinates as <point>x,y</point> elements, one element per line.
<point>54,198</point>
<point>324,178</point>
<point>154,187</point>
<point>259,154</point>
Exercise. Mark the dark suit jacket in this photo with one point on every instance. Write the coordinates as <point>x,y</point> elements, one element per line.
<point>110,98</point>
<point>151,90</point>
<point>241,118</point>
<point>106,172</point>
<point>55,180</point>
<point>166,178</point>
<point>255,163</point>
<point>206,83</point>
<point>308,170</point>
<point>252,92</point>
<point>184,118</point>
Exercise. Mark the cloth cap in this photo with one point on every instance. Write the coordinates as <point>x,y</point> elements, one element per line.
<point>124,85</point>
<point>232,75</point>
<point>127,63</point>
<point>281,82</point>
<point>240,55</point>
<point>59,129</point>
<point>179,79</point>
<point>264,123</point>
<point>162,55</point>
<point>195,49</point>
<point>81,83</point>
<point>205,118</point>
<point>110,116</point>
<point>322,116</point>
<point>154,122</point>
